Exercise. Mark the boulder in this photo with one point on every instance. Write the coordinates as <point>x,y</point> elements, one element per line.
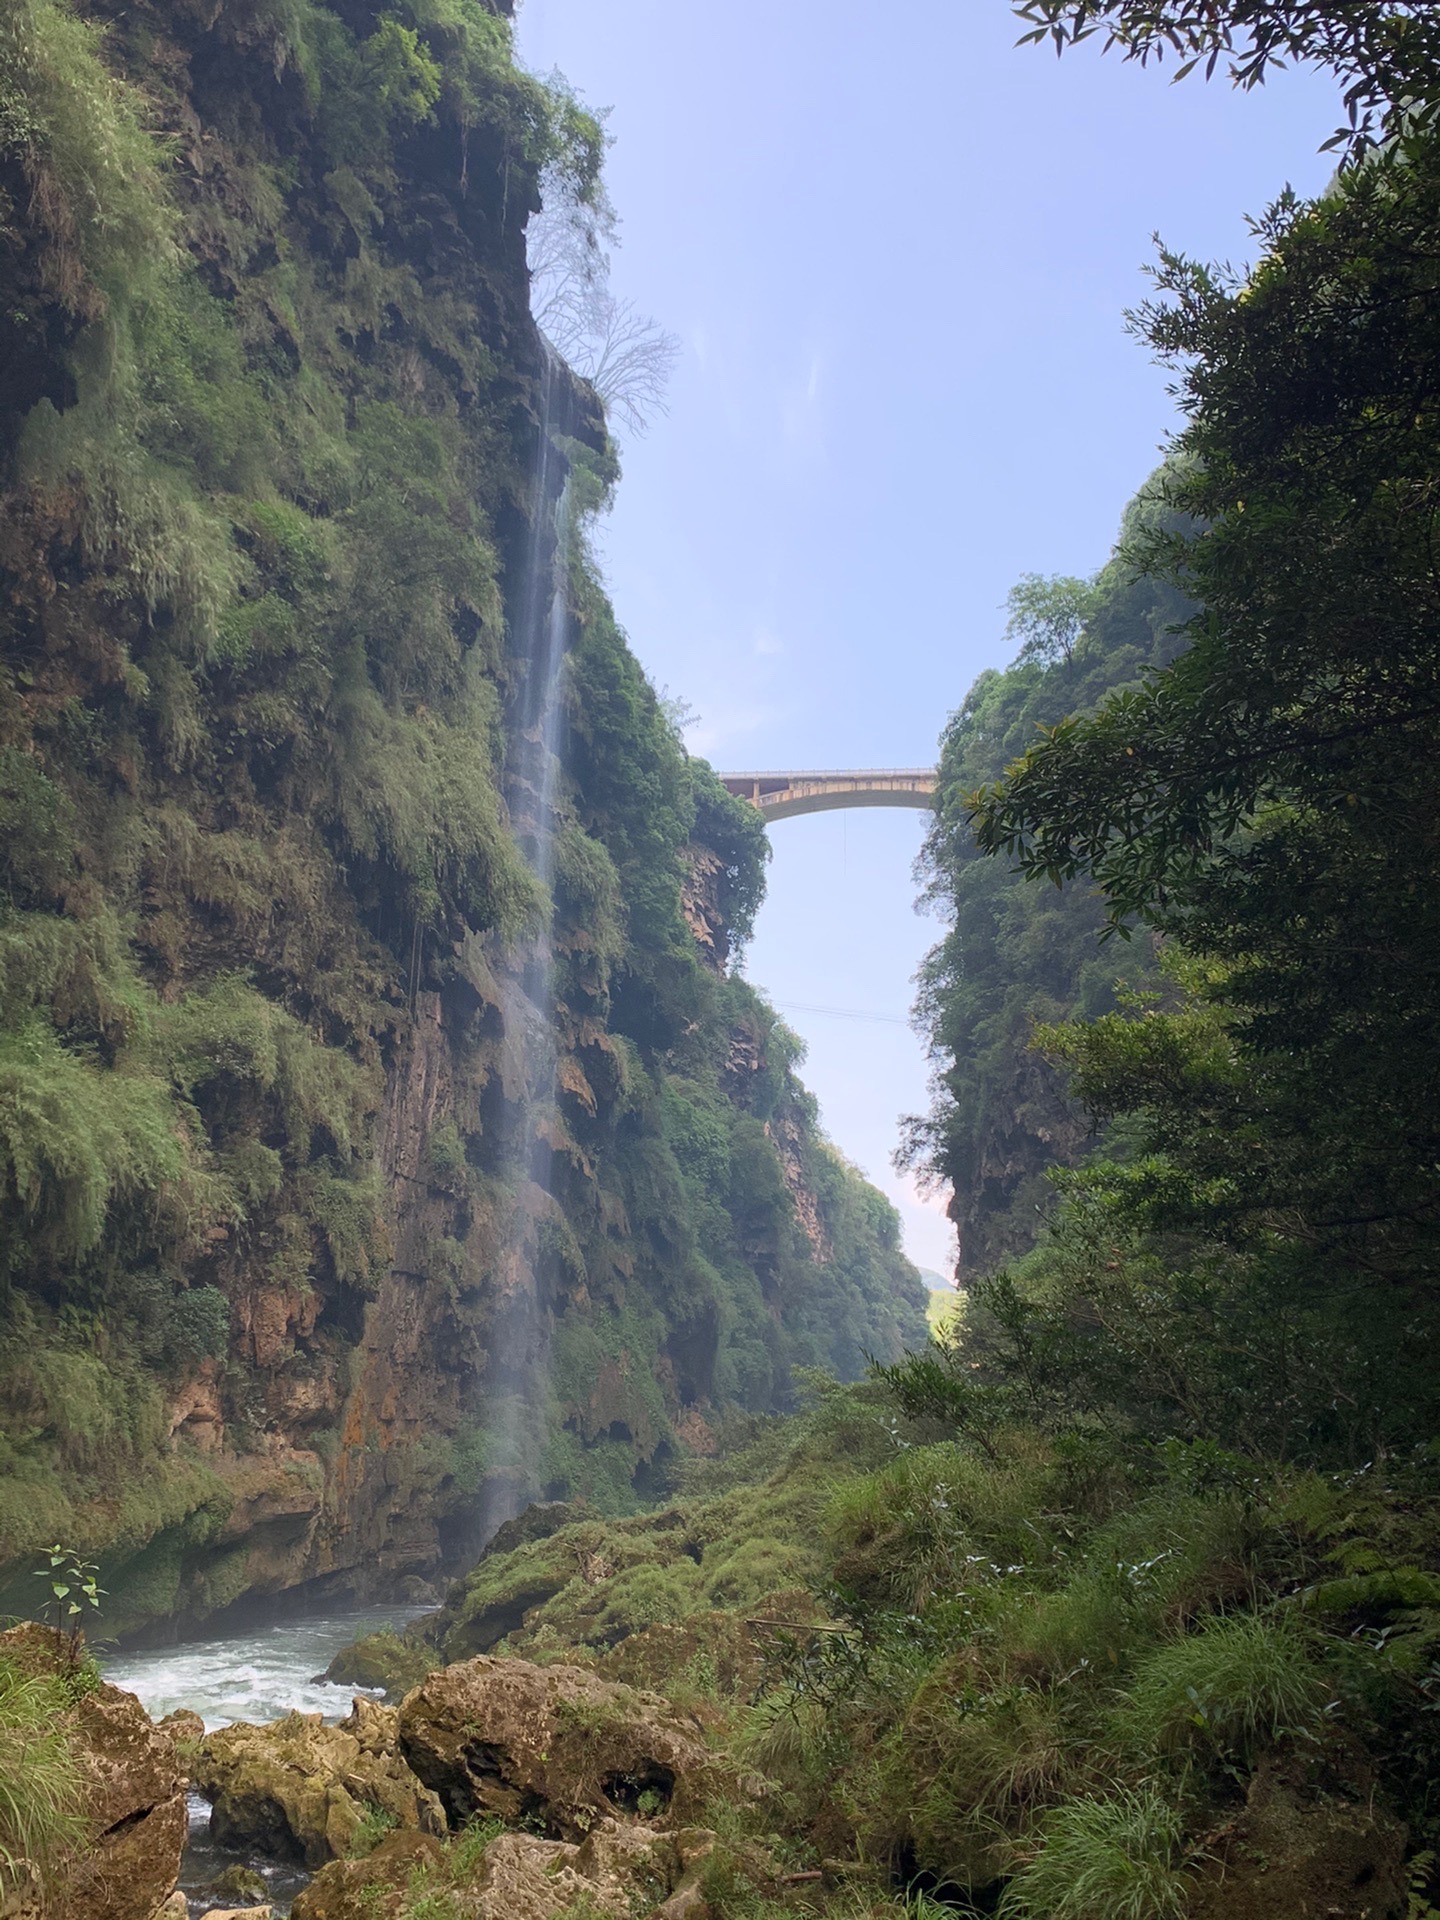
<point>619,1870</point>
<point>554,1746</point>
<point>300,1789</point>
<point>238,1913</point>
<point>239,1882</point>
<point>374,1888</point>
<point>134,1797</point>
<point>616,1871</point>
<point>177,1907</point>
<point>391,1662</point>
<point>187,1727</point>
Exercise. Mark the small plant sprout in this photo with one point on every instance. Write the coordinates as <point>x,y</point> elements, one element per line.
<point>74,1591</point>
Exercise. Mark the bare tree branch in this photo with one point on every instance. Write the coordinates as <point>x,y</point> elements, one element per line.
<point>623,353</point>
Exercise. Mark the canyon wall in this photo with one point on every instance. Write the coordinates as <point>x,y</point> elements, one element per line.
<point>305,1276</point>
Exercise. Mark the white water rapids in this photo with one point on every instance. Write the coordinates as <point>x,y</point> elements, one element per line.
<point>257,1675</point>
<point>261,1674</point>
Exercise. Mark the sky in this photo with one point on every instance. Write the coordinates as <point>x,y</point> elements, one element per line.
<point>896,251</point>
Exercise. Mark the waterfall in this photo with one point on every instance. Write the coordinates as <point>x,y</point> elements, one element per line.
<point>517,1371</point>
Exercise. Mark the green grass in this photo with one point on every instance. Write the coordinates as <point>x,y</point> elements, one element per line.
<point>42,1786</point>
<point>1242,1683</point>
<point>370,1830</point>
<point>1104,1859</point>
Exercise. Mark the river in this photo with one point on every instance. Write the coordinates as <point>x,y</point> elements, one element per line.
<point>257,1675</point>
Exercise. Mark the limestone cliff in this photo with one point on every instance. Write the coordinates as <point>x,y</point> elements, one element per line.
<point>307,1270</point>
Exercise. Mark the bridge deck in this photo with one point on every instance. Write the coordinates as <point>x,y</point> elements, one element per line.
<point>780,795</point>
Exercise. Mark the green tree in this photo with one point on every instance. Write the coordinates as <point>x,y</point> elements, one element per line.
<point>1267,798</point>
<point>1386,52</point>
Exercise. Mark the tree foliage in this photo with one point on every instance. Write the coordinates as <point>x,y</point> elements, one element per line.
<point>1385,52</point>
<point>1266,798</point>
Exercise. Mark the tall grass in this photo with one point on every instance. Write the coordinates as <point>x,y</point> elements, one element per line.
<point>41,1784</point>
<point>1228,1691</point>
<point>1110,1859</point>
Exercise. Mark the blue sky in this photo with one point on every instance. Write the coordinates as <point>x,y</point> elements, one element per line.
<point>896,250</point>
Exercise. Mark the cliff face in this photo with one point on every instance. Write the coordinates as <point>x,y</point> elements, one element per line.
<point>1016,956</point>
<point>312,1260</point>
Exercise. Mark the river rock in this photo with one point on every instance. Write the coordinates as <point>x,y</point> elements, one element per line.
<point>134,1797</point>
<point>392,1662</point>
<point>621,1869</point>
<point>553,1745</point>
<point>300,1789</point>
<point>187,1727</point>
<point>239,1882</point>
<point>238,1913</point>
<point>373,1888</point>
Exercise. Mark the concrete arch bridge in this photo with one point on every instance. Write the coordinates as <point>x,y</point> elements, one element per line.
<point>779,795</point>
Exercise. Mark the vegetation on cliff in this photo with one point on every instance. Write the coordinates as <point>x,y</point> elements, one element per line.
<point>1013,955</point>
<point>269,416</point>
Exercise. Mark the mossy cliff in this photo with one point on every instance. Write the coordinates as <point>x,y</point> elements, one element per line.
<point>270,411</point>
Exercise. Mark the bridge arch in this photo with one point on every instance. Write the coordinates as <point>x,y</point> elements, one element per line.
<point>780,795</point>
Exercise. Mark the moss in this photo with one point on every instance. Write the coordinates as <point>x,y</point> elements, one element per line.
<point>390,1661</point>
<point>596,1583</point>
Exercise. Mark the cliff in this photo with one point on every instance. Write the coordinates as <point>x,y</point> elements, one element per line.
<point>361,1175</point>
<point>1015,955</point>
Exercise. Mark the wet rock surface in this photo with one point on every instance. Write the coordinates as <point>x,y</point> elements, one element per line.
<point>392,1663</point>
<point>300,1789</point>
<point>237,1886</point>
<point>555,1746</point>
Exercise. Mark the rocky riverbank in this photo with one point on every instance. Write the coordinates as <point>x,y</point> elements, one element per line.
<point>118,1777</point>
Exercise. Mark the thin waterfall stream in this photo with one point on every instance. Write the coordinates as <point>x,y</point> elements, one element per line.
<point>518,1361</point>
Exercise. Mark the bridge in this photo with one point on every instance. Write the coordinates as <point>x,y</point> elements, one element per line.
<point>779,795</point>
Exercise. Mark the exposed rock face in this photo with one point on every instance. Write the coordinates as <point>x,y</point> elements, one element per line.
<point>300,1789</point>
<point>616,1872</point>
<point>700,903</point>
<point>553,1744</point>
<point>134,1798</point>
<point>787,1134</point>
